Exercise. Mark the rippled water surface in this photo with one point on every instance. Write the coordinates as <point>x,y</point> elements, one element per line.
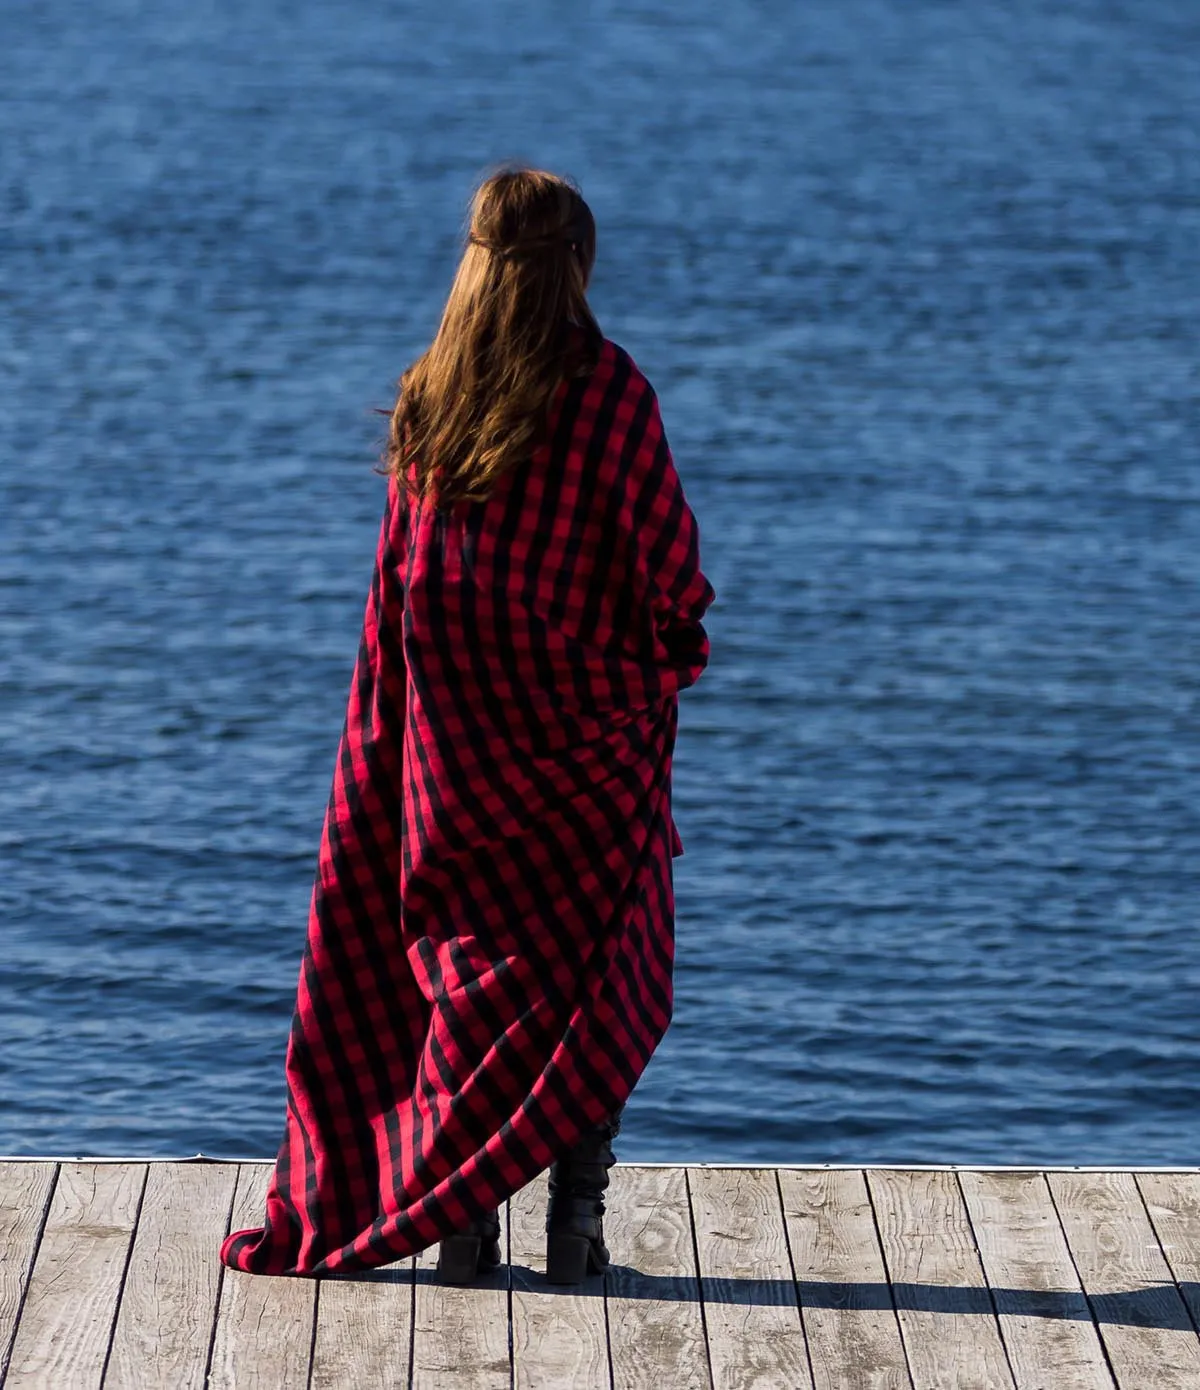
<point>917,285</point>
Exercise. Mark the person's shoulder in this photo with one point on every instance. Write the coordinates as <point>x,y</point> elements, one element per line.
<point>619,361</point>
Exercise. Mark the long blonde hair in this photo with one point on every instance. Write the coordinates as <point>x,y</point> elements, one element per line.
<point>476,402</point>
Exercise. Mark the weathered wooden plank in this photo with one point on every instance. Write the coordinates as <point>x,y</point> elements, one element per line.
<point>655,1326</point>
<point>264,1327</point>
<point>755,1337</point>
<point>1044,1316</point>
<point>364,1328</point>
<point>460,1333</point>
<point>67,1321</point>
<point>560,1337</point>
<point>1173,1200</point>
<point>945,1311</point>
<point>1142,1318</point>
<point>168,1306</point>
<point>845,1302</point>
<point>25,1190</point>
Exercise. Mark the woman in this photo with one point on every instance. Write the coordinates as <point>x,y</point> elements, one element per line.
<point>490,943</point>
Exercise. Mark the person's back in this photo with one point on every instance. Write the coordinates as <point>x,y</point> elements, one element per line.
<point>490,946</point>
<point>563,583</point>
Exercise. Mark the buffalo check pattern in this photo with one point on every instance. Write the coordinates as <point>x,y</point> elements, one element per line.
<point>488,962</point>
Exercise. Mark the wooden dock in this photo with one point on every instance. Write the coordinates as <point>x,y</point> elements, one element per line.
<point>781,1278</point>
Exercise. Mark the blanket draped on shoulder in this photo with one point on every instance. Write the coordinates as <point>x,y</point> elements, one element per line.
<point>488,962</point>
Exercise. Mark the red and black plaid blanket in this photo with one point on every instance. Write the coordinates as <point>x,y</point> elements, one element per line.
<point>488,966</point>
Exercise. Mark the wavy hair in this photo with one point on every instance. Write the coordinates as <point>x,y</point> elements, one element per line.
<point>476,402</point>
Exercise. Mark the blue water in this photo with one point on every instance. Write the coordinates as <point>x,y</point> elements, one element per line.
<point>917,285</point>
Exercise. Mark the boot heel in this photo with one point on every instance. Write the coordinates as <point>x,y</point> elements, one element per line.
<point>458,1259</point>
<point>567,1258</point>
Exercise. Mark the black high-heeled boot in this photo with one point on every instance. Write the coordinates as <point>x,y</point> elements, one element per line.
<point>473,1251</point>
<point>575,1212</point>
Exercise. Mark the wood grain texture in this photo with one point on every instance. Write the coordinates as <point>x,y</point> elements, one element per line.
<point>845,1301</point>
<point>264,1327</point>
<point>1142,1318</point>
<point>655,1326</point>
<point>66,1324</point>
<point>560,1336</point>
<point>25,1190</point>
<point>460,1334</point>
<point>1044,1316</point>
<point>755,1336</point>
<point>890,1267</point>
<point>950,1331</point>
<point>364,1328</point>
<point>169,1302</point>
<point>1173,1201</point>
